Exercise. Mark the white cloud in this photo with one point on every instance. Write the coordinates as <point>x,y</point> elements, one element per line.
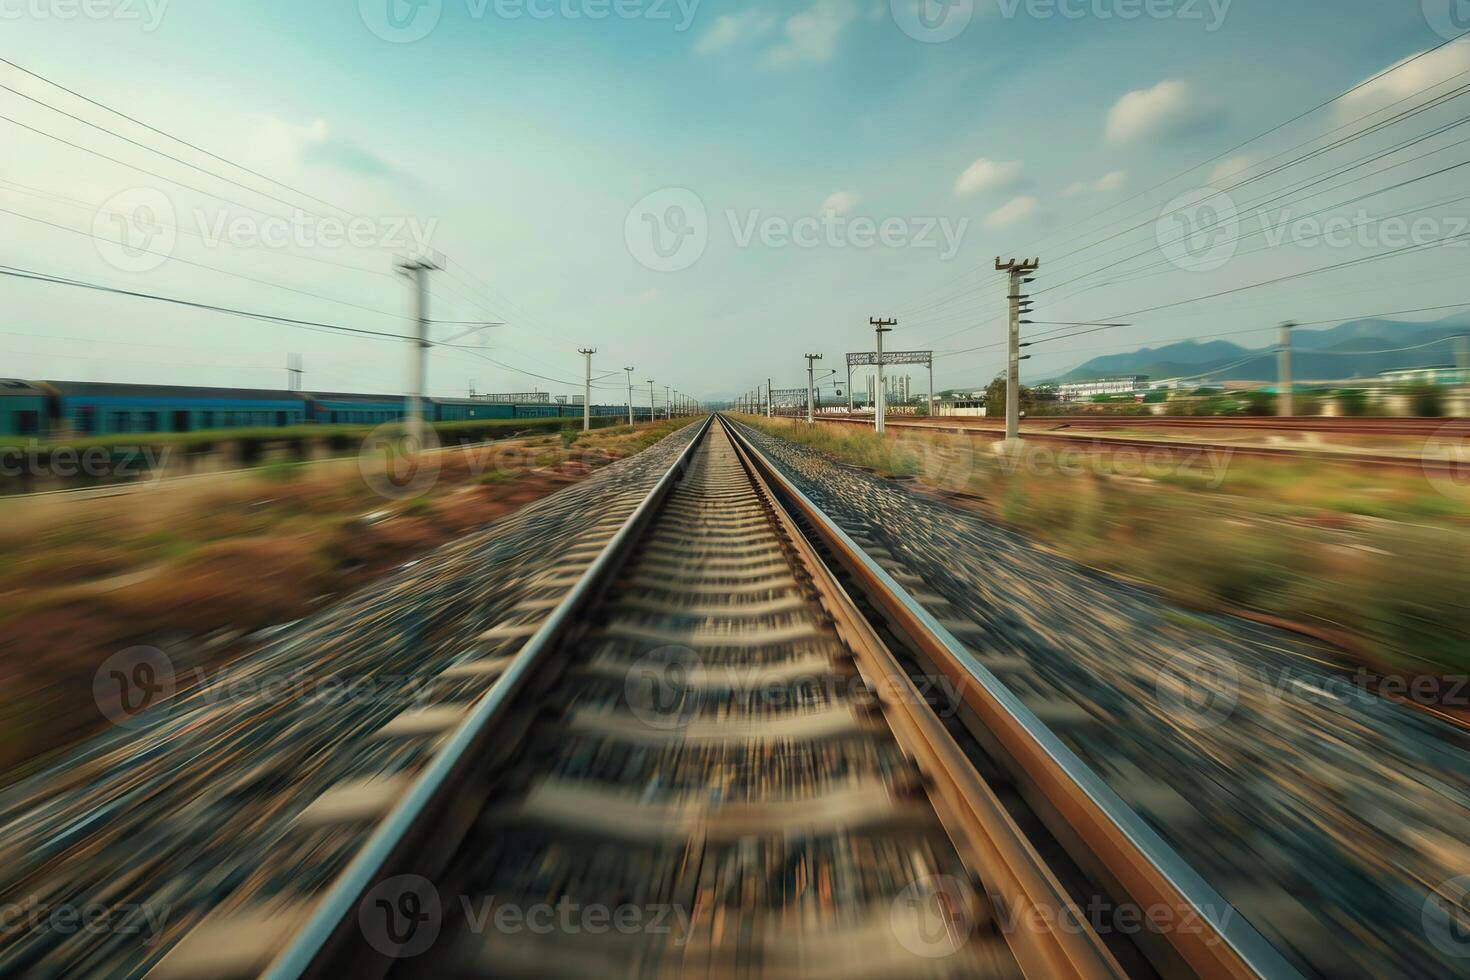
<point>839,203</point>
<point>1227,169</point>
<point>1408,77</point>
<point>1148,111</point>
<point>1014,210</point>
<point>1106,183</point>
<point>733,28</point>
<point>985,174</point>
<point>812,34</point>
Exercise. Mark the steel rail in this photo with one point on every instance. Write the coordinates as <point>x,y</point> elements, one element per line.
<point>1146,867</point>
<point>1066,945</point>
<point>334,916</point>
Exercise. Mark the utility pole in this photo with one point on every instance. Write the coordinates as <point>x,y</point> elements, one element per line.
<point>587,352</point>
<point>1283,370</point>
<point>849,387</point>
<point>810,406</point>
<point>770,400</point>
<point>294,373</point>
<point>1019,304</point>
<point>931,385</point>
<point>652,408</point>
<point>880,327</point>
<point>630,394</point>
<point>418,271</point>
<point>668,405</point>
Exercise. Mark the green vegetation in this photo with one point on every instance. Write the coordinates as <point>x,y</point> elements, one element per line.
<point>995,399</point>
<point>345,435</point>
<point>1427,401</point>
<point>851,444</point>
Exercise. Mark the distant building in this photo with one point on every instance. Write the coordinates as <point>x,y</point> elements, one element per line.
<point>1080,390</point>
<point>579,399</point>
<point>1439,374</point>
<point>964,406</point>
<point>519,398</point>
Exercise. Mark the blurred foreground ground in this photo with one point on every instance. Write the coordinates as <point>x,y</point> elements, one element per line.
<point>197,566</point>
<point>1334,820</point>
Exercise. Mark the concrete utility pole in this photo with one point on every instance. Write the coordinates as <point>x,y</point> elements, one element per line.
<point>630,394</point>
<point>1018,273</point>
<point>668,405</point>
<point>587,352</point>
<point>418,271</point>
<point>1283,371</point>
<point>770,399</point>
<point>849,387</point>
<point>880,327</point>
<point>652,408</point>
<point>810,398</point>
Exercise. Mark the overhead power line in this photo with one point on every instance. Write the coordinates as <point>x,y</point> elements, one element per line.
<point>153,129</point>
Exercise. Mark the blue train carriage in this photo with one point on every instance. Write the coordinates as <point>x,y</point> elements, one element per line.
<point>96,409</point>
<point>467,410</point>
<point>349,408</point>
<point>28,409</point>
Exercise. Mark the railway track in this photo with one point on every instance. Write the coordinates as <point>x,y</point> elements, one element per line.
<point>714,757</point>
<point>1346,425</point>
<point>1451,466</point>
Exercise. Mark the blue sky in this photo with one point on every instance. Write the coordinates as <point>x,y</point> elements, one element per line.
<point>538,148</point>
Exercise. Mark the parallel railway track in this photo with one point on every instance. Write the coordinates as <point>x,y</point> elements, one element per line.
<point>1450,462</point>
<point>1346,425</point>
<point>711,758</point>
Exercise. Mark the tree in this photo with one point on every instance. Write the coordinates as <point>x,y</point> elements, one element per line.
<point>1427,401</point>
<point>995,399</point>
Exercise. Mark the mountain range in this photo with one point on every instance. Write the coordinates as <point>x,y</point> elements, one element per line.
<point>1356,349</point>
